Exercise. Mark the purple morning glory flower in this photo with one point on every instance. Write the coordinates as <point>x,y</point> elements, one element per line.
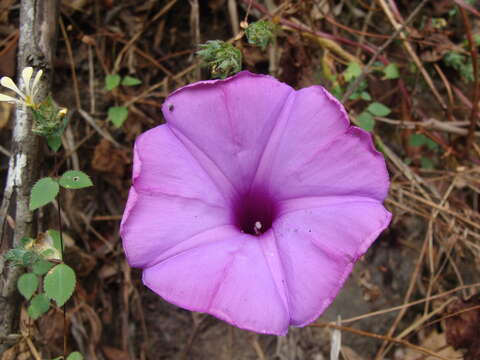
<point>253,202</point>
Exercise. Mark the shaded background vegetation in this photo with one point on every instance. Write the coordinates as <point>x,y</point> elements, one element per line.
<point>417,286</point>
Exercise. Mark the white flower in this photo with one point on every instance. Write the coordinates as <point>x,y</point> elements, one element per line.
<point>31,89</point>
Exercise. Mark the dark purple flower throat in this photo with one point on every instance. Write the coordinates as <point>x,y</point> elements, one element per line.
<point>255,212</point>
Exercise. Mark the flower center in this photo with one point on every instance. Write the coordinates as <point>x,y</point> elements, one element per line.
<point>254,212</point>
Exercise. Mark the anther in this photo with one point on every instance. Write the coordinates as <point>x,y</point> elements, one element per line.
<point>257,228</point>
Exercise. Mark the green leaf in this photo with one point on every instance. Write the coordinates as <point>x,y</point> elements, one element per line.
<point>38,306</point>
<point>54,142</point>
<point>75,356</point>
<point>476,39</point>
<point>29,257</point>
<point>75,179</point>
<point>352,72</point>
<point>117,115</point>
<point>59,283</point>
<point>365,96</point>
<point>26,242</point>
<point>131,81</point>
<point>27,284</point>
<point>41,267</point>
<point>391,72</point>
<point>426,163</point>
<point>43,192</point>
<point>366,121</point>
<point>432,145</point>
<point>112,81</point>
<point>15,256</point>
<point>417,140</point>
<point>57,242</point>
<point>378,109</point>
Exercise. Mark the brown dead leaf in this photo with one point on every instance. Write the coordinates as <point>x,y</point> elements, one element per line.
<point>10,354</point>
<point>5,113</point>
<point>295,62</point>
<point>19,351</point>
<point>109,159</point>
<point>115,354</point>
<point>439,45</point>
<point>51,328</point>
<point>462,325</point>
<point>350,354</point>
<point>437,343</point>
<point>5,6</point>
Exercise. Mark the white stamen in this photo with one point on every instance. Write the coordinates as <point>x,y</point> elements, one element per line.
<point>9,84</point>
<point>257,227</point>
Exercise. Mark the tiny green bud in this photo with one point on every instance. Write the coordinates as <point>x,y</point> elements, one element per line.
<point>260,33</point>
<point>223,58</point>
<point>49,118</point>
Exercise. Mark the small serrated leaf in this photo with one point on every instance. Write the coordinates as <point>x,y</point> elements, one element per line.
<point>38,306</point>
<point>432,145</point>
<point>75,356</point>
<point>366,121</point>
<point>118,115</point>
<point>417,140</point>
<point>366,96</point>
<point>391,72</point>
<point>43,192</point>
<point>27,284</point>
<point>352,72</point>
<point>75,179</point>
<point>59,283</point>
<point>131,81</point>
<point>427,163</point>
<point>41,267</point>
<point>378,109</point>
<point>112,81</point>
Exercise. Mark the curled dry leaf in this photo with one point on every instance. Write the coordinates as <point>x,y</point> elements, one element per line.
<point>463,330</point>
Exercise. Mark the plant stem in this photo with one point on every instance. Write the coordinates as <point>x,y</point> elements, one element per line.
<point>60,229</point>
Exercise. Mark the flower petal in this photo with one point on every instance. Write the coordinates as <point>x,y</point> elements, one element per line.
<point>228,278</point>
<point>9,84</point>
<point>155,223</point>
<point>9,99</point>
<point>226,124</point>
<point>36,82</point>
<point>318,247</point>
<point>27,77</point>
<point>163,165</point>
<point>171,196</point>
<point>347,165</point>
<point>314,118</point>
